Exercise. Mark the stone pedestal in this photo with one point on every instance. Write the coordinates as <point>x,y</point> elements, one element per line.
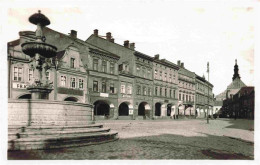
<point>39,92</point>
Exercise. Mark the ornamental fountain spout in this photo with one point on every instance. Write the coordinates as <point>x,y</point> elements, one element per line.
<point>40,54</point>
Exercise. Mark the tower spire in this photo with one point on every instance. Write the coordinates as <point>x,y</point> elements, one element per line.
<point>236,74</point>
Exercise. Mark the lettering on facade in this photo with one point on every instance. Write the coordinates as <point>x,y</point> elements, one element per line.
<point>126,96</point>
<point>20,85</point>
<point>70,91</point>
<point>104,94</point>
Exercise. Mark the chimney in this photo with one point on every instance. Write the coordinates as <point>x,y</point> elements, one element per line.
<point>132,46</point>
<point>112,40</point>
<point>179,63</point>
<point>108,36</point>
<point>156,57</point>
<point>182,65</point>
<point>73,33</point>
<point>126,44</point>
<point>96,32</point>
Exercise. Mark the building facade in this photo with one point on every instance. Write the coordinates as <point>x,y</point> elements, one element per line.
<point>186,98</point>
<point>241,105</point>
<point>119,81</point>
<point>165,99</point>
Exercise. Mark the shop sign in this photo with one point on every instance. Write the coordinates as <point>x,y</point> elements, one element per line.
<point>126,96</point>
<point>20,85</point>
<point>70,91</point>
<point>103,94</point>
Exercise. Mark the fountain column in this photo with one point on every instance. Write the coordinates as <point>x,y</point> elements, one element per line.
<point>40,52</point>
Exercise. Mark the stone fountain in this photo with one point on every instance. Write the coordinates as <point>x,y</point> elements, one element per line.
<point>39,123</point>
<point>40,53</point>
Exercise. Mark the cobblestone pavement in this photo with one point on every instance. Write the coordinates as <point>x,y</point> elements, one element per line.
<point>163,139</point>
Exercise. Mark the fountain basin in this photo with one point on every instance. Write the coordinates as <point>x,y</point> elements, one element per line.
<point>45,50</point>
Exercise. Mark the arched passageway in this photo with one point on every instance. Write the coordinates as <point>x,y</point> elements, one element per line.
<point>169,109</point>
<point>26,96</point>
<point>123,109</point>
<point>144,109</point>
<point>158,109</point>
<point>73,99</point>
<point>101,108</point>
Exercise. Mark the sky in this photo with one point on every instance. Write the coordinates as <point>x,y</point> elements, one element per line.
<point>195,32</point>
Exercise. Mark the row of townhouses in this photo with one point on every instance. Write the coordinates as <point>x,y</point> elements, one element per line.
<point>121,82</point>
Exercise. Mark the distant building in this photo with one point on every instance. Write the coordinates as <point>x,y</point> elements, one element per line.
<point>186,86</point>
<point>233,87</point>
<point>241,105</point>
<point>204,97</point>
<point>237,100</point>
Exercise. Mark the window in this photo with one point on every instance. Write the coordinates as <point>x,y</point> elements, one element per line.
<point>143,72</point>
<point>179,96</point>
<point>73,82</point>
<point>170,93</point>
<point>156,91</point>
<point>155,74</point>
<point>170,77</point>
<point>81,83</point>
<point>120,67</point>
<point>18,74</point>
<point>104,66</point>
<point>165,76</point>
<point>160,78</point>
<point>160,91</point>
<point>138,71</point>
<point>112,68</point>
<point>72,62</point>
<point>30,74</point>
<point>122,88</point>
<point>148,73</point>
<point>187,98</point>
<point>126,68</point>
<point>144,90</point>
<point>112,88</point>
<point>129,90</point>
<point>165,92</point>
<point>63,81</point>
<point>95,86</point>
<point>149,92</point>
<point>138,90</point>
<point>174,94</point>
<point>95,64</point>
<point>183,97</point>
<point>104,87</point>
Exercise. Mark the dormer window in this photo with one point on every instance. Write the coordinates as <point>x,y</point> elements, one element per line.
<point>72,62</point>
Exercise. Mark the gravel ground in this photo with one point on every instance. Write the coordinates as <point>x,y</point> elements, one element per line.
<point>163,139</point>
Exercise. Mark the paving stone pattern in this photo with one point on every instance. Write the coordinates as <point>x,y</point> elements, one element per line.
<point>163,139</point>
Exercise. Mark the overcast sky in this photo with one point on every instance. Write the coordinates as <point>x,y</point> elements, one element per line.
<point>193,32</point>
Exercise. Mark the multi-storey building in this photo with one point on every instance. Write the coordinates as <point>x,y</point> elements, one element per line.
<point>165,99</point>
<point>66,72</point>
<point>136,80</point>
<point>186,93</point>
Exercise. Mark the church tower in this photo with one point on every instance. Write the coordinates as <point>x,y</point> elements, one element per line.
<point>236,74</point>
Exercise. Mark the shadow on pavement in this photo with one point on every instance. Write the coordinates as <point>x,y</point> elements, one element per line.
<point>164,146</point>
<point>242,124</point>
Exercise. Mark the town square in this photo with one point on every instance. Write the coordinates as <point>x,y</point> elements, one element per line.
<point>178,84</point>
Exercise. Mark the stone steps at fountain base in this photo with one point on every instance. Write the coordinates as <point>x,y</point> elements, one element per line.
<point>48,137</point>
